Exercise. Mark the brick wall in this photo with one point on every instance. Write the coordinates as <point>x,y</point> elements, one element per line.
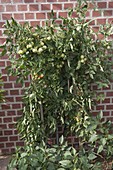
<point>35,12</point>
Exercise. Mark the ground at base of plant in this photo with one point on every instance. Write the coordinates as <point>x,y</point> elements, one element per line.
<point>4,160</point>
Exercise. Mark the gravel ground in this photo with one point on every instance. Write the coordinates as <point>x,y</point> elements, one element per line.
<point>4,160</point>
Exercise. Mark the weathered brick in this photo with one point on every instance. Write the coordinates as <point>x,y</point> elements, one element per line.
<point>13,138</point>
<point>6,16</point>
<point>19,16</point>
<point>10,8</point>
<point>29,16</point>
<point>33,7</point>
<point>101,4</point>
<point>14,92</point>
<point>45,7</point>
<point>22,7</point>
<point>8,132</point>
<point>57,6</point>
<point>68,5</point>
<point>40,15</point>
<point>110,5</point>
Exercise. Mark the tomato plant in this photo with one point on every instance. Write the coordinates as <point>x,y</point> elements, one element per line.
<point>63,61</point>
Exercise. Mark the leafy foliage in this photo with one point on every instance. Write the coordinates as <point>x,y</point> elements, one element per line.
<point>63,61</point>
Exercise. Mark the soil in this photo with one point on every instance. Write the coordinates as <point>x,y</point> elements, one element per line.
<point>4,160</point>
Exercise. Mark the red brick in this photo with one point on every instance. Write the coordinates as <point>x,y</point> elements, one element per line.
<point>17,1</point>
<point>91,5</point>
<point>2,63</point>
<point>40,16</point>
<point>3,126</point>
<point>19,143</point>
<point>96,14</point>
<point>109,107</point>
<point>19,99</point>
<point>5,1</point>
<point>0,120</point>
<point>106,113</point>
<point>108,94</point>
<point>6,16</point>
<point>28,1</point>
<point>22,7</point>
<point>1,145</point>
<point>29,16</point>
<point>16,106</point>
<point>12,78</point>
<point>108,13</point>
<point>3,139</point>
<point>27,84</point>
<point>63,14</point>
<point>5,93</point>
<point>33,7</point>
<point>45,7</point>
<point>19,16</point>
<point>1,8</point>
<point>68,5</point>
<point>13,138</point>
<point>9,99</point>
<point>110,5</point>
<point>101,4</point>
<point>100,107</point>
<point>2,40</point>
<point>0,32</point>
<point>1,132</point>
<point>34,24</point>
<point>14,92</point>
<point>106,100</point>
<point>10,8</point>
<point>17,85</point>
<point>57,7</point>
<point>9,144</point>
<point>5,106</point>
<point>101,21</point>
<point>62,0</point>
<point>2,113</point>
<point>11,126</point>
<point>7,119</point>
<point>11,113</point>
<point>4,71</point>
<point>8,132</point>
<point>40,0</point>
<point>7,85</point>
<point>1,24</point>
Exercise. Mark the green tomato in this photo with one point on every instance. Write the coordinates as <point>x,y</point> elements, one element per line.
<point>41,43</point>
<point>82,56</point>
<point>20,52</point>
<point>44,47</point>
<point>34,50</point>
<point>29,46</point>
<point>49,38</point>
<point>40,50</point>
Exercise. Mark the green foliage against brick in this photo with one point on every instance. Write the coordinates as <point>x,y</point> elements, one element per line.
<point>63,62</point>
<point>1,90</point>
